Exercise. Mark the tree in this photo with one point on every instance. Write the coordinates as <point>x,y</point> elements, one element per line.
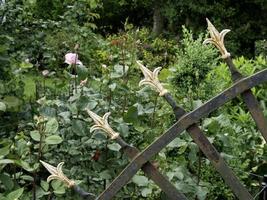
<point>169,16</point>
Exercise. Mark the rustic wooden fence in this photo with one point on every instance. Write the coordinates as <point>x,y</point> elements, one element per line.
<point>184,122</point>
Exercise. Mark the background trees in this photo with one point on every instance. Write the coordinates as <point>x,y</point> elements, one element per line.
<point>246,18</point>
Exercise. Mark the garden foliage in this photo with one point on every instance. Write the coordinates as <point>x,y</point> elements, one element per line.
<point>43,102</point>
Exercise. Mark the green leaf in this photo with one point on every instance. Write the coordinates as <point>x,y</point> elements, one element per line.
<point>5,150</point>
<point>1,195</point>
<point>26,65</point>
<point>82,102</point>
<point>66,116</point>
<point>44,185</point>
<point>7,181</point>
<point>139,128</point>
<point>179,173</point>
<point>51,126</point>
<point>2,107</point>
<point>164,74</point>
<point>82,72</point>
<point>74,152</point>
<point>182,149</point>
<point>193,152</point>
<point>75,97</point>
<point>132,115</point>
<point>123,129</point>
<point>35,135</point>
<point>92,105</point>
<point>58,187</point>
<point>223,120</point>
<point>119,71</point>
<point>24,165</point>
<point>114,147</point>
<point>22,147</point>
<point>60,190</point>
<point>212,125</point>
<point>140,180</point>
<point>40,192</point>
<point>177,142</point>
<point>146,191</point>
<point>15,194</point>
<point>197,104</point>
<point>29,88</point>
<point>170,175</point>
<point>56,184</point>
<point>105,175</point>
<point>186,188</point>
<point>48,111</point>
<point>12,102</point>
<point>6,161</point>
<point>112,86</point>
<point>27,178</point>
<point>53,139</point>
<point>202,192</point>
<point>79,127</point>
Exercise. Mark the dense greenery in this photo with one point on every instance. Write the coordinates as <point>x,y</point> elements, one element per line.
<point>245,18</point>
<point>43,99</point>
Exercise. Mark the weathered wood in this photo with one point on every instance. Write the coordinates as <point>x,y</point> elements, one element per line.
<point>184,123</point>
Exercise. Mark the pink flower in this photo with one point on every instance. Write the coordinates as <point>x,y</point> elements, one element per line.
<point>72,58</point>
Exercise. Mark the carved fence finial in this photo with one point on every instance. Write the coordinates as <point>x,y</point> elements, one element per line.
<point>102,123</point>
<point>57,173</point>
<point>217,39</point>
<point>151,78</point>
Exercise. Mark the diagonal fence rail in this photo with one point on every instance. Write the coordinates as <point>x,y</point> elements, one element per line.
<point>184,122</point>
<point>181,125</point>
<point>250,100</point>
<point>149,169</point>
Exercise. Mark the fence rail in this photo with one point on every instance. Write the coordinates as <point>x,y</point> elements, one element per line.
<point>184,121</point>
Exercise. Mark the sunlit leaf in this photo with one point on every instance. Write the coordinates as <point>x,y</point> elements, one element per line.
<point>114,147</point>
<point>15,194</point>
<point>53,139</point>
<point>51,126</point>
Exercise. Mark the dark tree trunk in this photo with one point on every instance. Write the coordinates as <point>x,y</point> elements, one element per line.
<point>158,20</point>
<point>248,48</point>
<point>187,21</point>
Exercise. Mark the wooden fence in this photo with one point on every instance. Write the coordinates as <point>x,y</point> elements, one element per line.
<point>184,122</point>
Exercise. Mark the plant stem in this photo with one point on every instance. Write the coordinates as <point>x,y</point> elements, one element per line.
<point>125,78</point>
<point>40,129</point>
<point>199,167</point>
<point>75,77</point>
<point>36,91</point>
<point>109,97</point>
<point>106,163</point>
<point>44,87</point>
<point>75,68</point>
<point>154,111</point>
<point>40,143</point>
<point>34,186</point>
